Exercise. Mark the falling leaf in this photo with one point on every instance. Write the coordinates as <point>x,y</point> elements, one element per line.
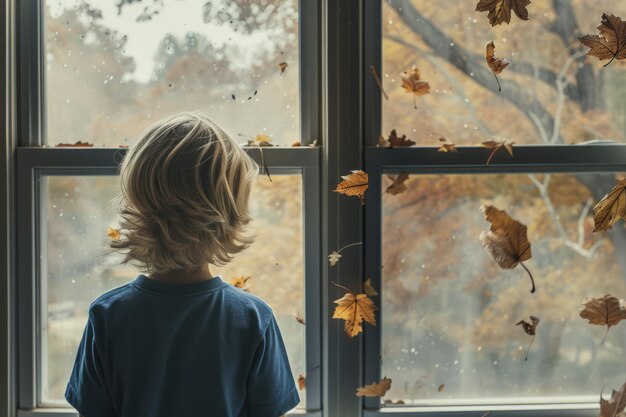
<point>496,65</point>
<point>283,66</point>
<point>333,258</point>
<point>606,311</point>
<point>530,329</point>
<point>241,282</point>
<point>448,147</point>
<point>378,389</point>
<point>441,388</point>
<point>611,44</point>
<point>354,184</point>
<point>495,146</point>
<point>354,309</point>
<point>412,83</point>
<point>377,79</point>
<point>300,319</point>
<point>260,140</point>
<point>614,406</point>
<point>507,240</point>
<point>114,234</point>
<point>395,141</point>
<point>367,287</point>
<point>611,208</point>
<point>500,10</point>
<point>233,97</point>
<point>301,382</point>
<point>397,186</point>
<point>78,144</point>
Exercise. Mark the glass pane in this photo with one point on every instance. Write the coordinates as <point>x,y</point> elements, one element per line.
<point>546,97</point>
<point>114,67</point>
<point>76,215</point>
<point>449,312</point>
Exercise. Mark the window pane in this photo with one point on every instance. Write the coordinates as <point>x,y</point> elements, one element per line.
<point>446,40</point>
<point>449,312</point>
<point>76,216</point>
<point>115,67</point>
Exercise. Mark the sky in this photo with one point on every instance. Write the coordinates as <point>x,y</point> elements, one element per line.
<point>178,17</point>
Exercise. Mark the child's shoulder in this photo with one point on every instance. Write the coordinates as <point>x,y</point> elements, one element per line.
<point>249,300</point>
<point>110,297</point>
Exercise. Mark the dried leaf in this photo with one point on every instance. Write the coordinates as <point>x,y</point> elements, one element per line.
<point>611,208</point>
<point>283,66</point>
<point>300,320</point>
<point>367,287</point>
<point>393,402</point>
<point>378,389</point>
<point>441,388</point>
<point>611,44</point>
<point>529,328</point>
<point>354,184</point>
<point>333,258</point>
<point>507,240</point>
<point>241,282</point>
<point>412,83</point>
<point>78,144</point>
<point>397,186</point>
<point>260,140</point>
<point>606,311</point>
<point>114,234</point>
<point>395,141</point>
<point>296,143</point>
<point>614,406</point>
<point>496,65</point>
<point>301,382</point>
<point>495,146</point>
<point>448,147</point>
<point>354,309</point>
<point>500,10</point>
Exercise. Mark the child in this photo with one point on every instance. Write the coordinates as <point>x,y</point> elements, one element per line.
<point>178,342</point>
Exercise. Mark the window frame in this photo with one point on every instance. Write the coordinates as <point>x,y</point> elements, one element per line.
<point>33,159</point>
<point>584,158</point>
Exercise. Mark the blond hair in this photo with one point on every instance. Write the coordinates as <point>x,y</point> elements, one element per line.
<point>185,187</point>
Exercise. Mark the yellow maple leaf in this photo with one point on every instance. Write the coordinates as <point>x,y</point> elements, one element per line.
<point>241,282</point>
<point>378,389</point>
<point>354,184</point>
<point>114,234</point>
<point>354,309</point>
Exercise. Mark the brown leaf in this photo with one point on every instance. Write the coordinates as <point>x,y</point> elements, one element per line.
<point>441,388</point>
<point>496,65</point>
<point>393,402</point>
<point>495,146</point>
<point>301,382</point>
<point>367,287</point>
<point>114,234</point>
<point>354,184</point>
<point>397,186</point>
<point>283,66</point>
<point>354,309</point>
<point>500,10</point>
<point>241,282</point>
<point>611,44</point>
<point>378,389</point>
<point>300,319</point>
<point>507,240</point>
<point>448,147</point>
<point>412,83</point>
<point>395,141</point>
<point>260,140</point>
<point>615,405</point>
<point>296,143</point>
<point>529,328</point>
<point>606,311</point>
<point>611,208</point>
<point>78,144</point>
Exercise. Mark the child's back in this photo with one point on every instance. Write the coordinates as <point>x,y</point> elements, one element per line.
<point>182,347</point>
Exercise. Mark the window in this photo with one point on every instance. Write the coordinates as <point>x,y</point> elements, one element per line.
<point>447,337</point>
<point>108,71</point>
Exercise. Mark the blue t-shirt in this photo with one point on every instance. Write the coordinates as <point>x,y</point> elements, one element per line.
<point>201,349</point>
